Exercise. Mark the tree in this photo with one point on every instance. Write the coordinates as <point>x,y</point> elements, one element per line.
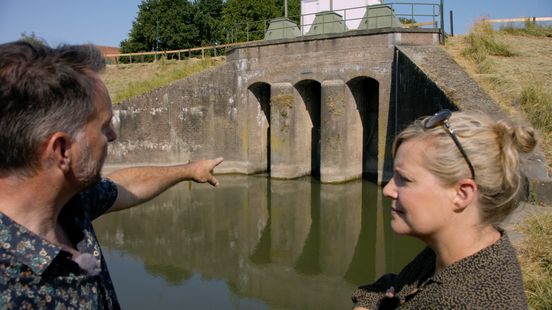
<point>408,21</point>
<point>163,25</point>
<point>32,38</point>
<point>294,9</point>
<point>208,20</point>
<point>247,19</point>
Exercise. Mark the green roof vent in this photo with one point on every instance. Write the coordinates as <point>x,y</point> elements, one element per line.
<point>282,28</point>
<point>379,16</point>
<point>327,22</point>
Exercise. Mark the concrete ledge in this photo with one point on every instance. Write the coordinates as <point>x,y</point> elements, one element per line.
<point>350,33</point>
<point>338,177</point>
<point>540,191</point>
<point>288,171</point>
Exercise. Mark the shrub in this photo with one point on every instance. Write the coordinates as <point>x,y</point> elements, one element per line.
<point>537,104</point>
<point>481,42</point>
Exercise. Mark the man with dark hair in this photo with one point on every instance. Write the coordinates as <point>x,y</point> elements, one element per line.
<point>55,124</point>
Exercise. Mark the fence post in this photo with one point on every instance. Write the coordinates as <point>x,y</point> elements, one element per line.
<point>451,24</point>
<point>442,26</point>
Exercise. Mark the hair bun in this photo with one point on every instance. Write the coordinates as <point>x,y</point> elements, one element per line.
<point>522,138</point>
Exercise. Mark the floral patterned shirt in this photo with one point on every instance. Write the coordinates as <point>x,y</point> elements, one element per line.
<point>35,273</point>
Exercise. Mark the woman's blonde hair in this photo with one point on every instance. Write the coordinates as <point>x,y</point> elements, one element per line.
<point>492,147</point>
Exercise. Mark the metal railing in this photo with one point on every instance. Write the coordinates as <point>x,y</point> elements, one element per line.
<point>422,15</point>
<point>418,15</point>
<point>187,53</point>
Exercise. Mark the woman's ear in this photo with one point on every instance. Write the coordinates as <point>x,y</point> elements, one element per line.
<point>465,193</point>
<point>58,150</point>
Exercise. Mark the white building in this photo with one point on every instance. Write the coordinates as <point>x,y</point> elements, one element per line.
<point>351,10</point>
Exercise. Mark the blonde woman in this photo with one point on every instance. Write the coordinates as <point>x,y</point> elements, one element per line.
<point>456,177</point>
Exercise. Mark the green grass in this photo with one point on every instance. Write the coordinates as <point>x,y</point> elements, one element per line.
<point>537,105</point>
<point>535,254</point>
<point>129,80</point>
<point>481,42</point>
<point>530,29</point>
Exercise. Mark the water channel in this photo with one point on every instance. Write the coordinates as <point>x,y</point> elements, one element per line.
<point>252,243</point>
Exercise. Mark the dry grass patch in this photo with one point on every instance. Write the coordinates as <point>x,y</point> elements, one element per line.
<point>481,43</point>
<point>535,255</point>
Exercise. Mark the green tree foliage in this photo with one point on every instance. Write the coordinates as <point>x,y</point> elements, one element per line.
<point>179,24</point>
<point>163,25</point>
<point>405,20</point>
<point>32,38</point>
<point>208,20</point>
<point>294,9</point>
<point>247,19</point>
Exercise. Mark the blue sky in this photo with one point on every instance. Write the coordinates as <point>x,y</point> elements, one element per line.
<point>107,22</point>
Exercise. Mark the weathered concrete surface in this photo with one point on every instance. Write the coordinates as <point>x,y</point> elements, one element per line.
<point>455,83</point>
<point>292,107</point>
<point>523,212</point>
<point>191,118</point>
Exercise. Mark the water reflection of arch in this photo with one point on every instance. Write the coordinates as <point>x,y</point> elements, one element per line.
<point>258,115</point>
<point>365,91</point>
<point>298,242</point>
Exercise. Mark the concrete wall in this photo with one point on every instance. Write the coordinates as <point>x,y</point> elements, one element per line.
<point>318,105</point>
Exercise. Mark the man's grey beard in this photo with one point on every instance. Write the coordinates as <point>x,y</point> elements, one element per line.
<point>89,171</point>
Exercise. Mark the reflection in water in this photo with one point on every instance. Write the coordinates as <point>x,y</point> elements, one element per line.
<point>254,243</point>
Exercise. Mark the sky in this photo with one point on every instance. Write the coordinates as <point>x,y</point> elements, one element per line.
<point>108,22</point>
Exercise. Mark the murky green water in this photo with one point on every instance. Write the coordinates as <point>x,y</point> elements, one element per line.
<point>252,243</point>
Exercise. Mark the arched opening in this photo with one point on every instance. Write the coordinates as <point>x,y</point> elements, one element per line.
<point>365,91</point>
<point>259,127</point>
<point>309,90</point>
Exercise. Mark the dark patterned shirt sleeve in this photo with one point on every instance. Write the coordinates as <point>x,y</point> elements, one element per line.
<point>372,296</point>
<point>38,274</point>
<point>98,198</point>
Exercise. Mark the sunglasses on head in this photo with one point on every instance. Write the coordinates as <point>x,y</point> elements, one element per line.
<point>441,118</point>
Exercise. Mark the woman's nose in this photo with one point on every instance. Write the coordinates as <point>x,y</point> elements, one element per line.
<point>390,189</point>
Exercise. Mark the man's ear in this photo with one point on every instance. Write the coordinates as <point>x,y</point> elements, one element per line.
<point>465,194</point>
<point>58,150</point>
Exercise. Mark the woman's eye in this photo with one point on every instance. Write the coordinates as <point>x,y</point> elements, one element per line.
<point>401,179</point>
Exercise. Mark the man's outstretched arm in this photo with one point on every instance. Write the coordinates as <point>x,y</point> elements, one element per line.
<point>140,184</point>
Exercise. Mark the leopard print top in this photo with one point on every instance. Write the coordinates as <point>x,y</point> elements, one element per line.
<point>489,279</point>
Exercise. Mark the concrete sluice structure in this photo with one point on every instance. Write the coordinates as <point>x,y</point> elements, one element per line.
<point>324,105</point>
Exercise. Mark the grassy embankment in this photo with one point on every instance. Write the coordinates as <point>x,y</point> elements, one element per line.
<point>128,80</point>
<point>515,67</point>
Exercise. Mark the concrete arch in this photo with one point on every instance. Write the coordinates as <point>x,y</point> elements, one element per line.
<point>258,124</point>
<point>309,123</point>
<point>365,92</point>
